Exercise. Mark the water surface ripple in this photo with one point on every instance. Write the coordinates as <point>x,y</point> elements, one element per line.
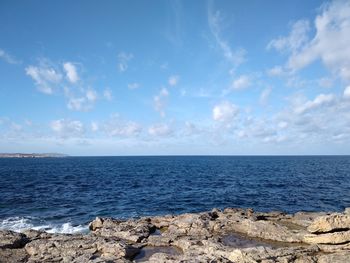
<point>76,189</point>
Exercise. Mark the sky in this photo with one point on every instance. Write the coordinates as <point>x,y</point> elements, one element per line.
<point>175,77</point>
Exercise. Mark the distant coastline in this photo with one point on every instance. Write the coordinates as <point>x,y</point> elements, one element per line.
<point>32,155</point>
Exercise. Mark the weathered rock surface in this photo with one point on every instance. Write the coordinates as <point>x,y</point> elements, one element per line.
<point>231,235</point>
<point>79,248</point>
<point>9,239</point>
<point>330,223</point>
<point>328,238</point>
<point>131,230</point>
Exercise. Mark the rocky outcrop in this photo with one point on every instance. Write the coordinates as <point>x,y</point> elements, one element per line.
<point>231,235</point>
<point>131,230</point>
<point>79,248</point>
<point>330,223</point>
<point>328,238</point>
<point>9,239</point>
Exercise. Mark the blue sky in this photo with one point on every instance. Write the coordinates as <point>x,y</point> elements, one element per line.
<point>175,77</point>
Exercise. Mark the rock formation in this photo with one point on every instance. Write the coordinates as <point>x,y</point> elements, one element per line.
<point>231,235</point>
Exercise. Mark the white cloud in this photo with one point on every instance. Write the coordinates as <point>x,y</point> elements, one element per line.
<point>282,124</point>
<point>116,126</point>
<point>319,101</point>
<point>236,57</point>
<point>78,104</point>
<point>94,126</point>
<point>160,130</point>
<point>123,60</point>
<point>107,94</point>
<point>264,96</point>
<point>16,126</point>
<point>81,102</point>
<point>159,101</point>
<point>91,95</point>
<point>28,122</point>
<point>173,80</point>
<point>8,58</point>
<point>133,85</point>
<point>45,78</point>
<point>225,111</point>
<point>71,72</point>
<point>347,92</point>
<point>296,39</point>
<point>325,82</point>
<point>126,129</point>
<point>258,130</point>
<point>275,71</point>
<point>330,44</point>
<point>241,82</point>
<point>49,78</point>
<point>274,139</point>
<point>67,128</point>
<point>190,128</point>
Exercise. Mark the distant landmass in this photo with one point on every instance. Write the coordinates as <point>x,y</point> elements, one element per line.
<point>32,155</point>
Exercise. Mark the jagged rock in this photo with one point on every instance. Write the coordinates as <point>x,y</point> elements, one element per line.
<point>10,239</point>
<point>334,248</point>
<point>162,221</point>
<point>329,223</point>
<point>131,230</point>
<point>328,238</point>
<point>8,255</point>
<point>35,234</point>
<point>97,223</point>
<point>198,237</point>
<point>159,241</point>
<point>305,218</point>
<point>262,229</point>
<point>342,257</point>
<point>78,248</point>
<point>263,254</point>
<point>190,224</point>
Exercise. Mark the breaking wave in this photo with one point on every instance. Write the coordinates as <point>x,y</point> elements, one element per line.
<point>19,224</point>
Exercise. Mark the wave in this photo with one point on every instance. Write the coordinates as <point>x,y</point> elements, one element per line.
<point>19,224</point>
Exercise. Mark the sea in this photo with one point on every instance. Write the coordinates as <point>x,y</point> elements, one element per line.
<point>62,195</point>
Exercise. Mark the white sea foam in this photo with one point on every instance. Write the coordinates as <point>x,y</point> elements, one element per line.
<point>19,224</point>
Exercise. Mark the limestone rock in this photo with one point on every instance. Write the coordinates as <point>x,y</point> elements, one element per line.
<point>35,234</point>
<point>330,223</point>
<point>10,239</point>
<point>95,224</point>
<point>305,218</point>
<point>342,257</point>
<point>334,248</point>
<point>131,230</point>
<point>17,255</point>
<point>262,254</point>
<point>197,237</point>
<point>78,248</point>
<point>328,238</point>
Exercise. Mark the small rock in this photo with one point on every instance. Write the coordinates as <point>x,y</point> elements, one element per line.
<point>97,223</point>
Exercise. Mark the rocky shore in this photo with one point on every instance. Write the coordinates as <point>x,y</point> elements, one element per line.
<point>231,235</point>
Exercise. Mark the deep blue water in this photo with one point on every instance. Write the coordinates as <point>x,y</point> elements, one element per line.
<point>49,192</point>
